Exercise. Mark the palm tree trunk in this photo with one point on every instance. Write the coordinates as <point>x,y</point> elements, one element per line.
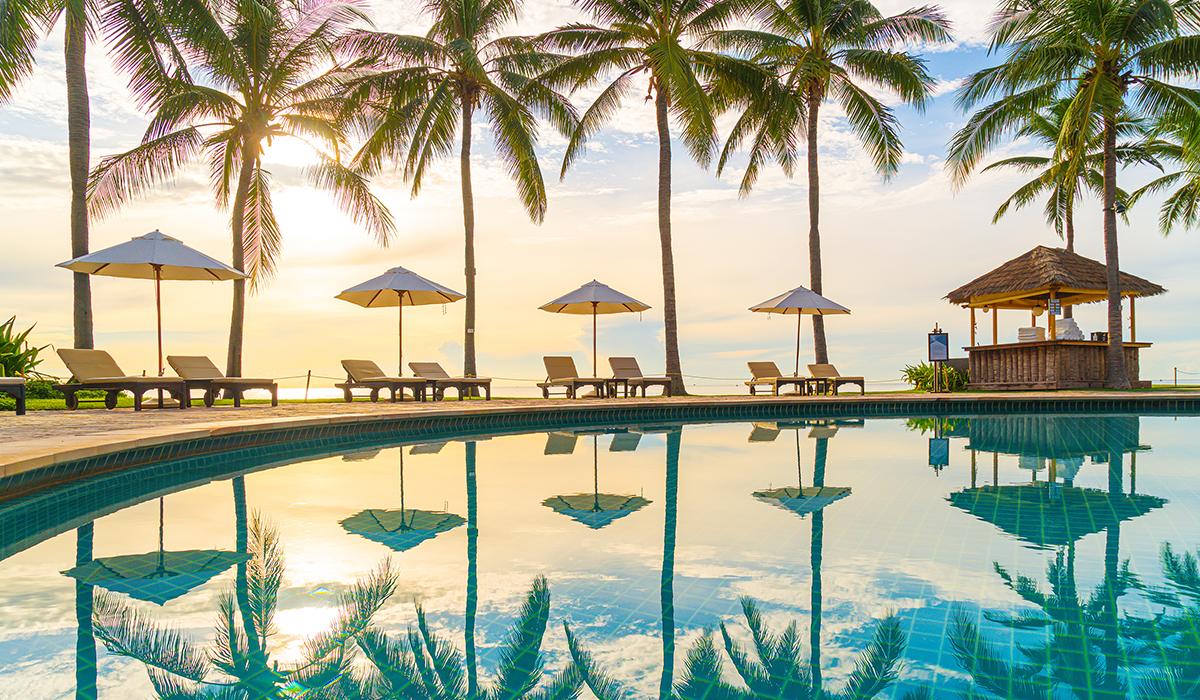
<point>816,547</point>
<point>468,202</point>
<point>237,324</point>
<point>85,639</point>
<point>1117,377</point>
<point>472,574</point>
<point>1068,312</point>
<point>79,145</point>
<point>662,100</point>
<point>820,353</point>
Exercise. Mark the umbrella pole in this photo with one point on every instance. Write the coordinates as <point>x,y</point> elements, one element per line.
<point>596,472</point>
<point>402,485</point>
<point>158,309</point>
<point>400,336</point>
<point>799,317</point>
<point>595,367</point>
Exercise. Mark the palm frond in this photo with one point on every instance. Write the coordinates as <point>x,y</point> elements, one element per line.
<point>120,178</point>
<point>603,685</point>
<point>521,658</point>
<point>353,195</point>
<point>126,631</point>
<point>878,666</point>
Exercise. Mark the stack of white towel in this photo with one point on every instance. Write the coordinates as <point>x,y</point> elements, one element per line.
<point>1035,334</point>
<point>1067,329</point>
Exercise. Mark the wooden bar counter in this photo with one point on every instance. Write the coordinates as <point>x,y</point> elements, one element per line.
<point>1053,364</point>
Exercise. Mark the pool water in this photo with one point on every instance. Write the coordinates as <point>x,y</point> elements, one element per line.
<point>1008,556</point>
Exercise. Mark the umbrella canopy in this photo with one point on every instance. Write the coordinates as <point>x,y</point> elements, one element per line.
<point>803,501</point>
<point>595,509</point>
<point>594,298</point>
<point>401,530</point>
<point>1049,515</point>
<point>400,288</point>
<point>157,257</point>
<point>800,301</point>
<point>156,577</point>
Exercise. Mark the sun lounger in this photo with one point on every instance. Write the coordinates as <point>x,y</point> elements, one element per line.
<point>14,386</point>
<point>561,374</point>
<point>628,375</point>
<point>95,369</point>
<point>442,381</point>
<point>200,373</point>
<point>365,374</point>
<point>767,374</point>
<point>828,378</point>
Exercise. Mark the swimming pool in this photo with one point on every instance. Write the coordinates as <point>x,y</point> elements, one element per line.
<point>957,554</point>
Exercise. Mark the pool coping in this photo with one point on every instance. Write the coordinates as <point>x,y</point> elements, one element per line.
<point>60,452</point>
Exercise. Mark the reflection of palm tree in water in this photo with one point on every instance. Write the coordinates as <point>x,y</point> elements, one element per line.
<point>1082,650</point>
<point>777,668</point>
<point>85,641</point>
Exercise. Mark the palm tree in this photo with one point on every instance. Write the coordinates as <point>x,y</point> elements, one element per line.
<point>21,22</point>
<point>1180,144</point>
<point>265,76</point>
<point>420,91</point>
<point>238,660</point>
<point>1106,57</point>
<point>818,50</point>
<point>1063,177</point>
<point>662,40</point>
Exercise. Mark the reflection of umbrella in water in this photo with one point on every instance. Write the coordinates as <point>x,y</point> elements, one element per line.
<point>403,529</point>
<point>1049,515</point>
<point>799,499</point>
<point>596,510</point>
<point>156,577</point>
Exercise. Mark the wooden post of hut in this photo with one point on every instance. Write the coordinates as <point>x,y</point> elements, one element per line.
<point>1039,279</point>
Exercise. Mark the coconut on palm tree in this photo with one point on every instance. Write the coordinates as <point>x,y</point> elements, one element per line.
<point>240,76</point>
<point>418,93</point>
<point>1106,57</point>
<point>662,42</point>
<point>820,51</point>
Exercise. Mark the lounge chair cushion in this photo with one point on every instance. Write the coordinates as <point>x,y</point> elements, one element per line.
<point>364,371</point>
<point>91,365</point>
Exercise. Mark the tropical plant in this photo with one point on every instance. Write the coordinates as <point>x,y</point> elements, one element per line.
<point>227,79</point>
<point>662,40</point>
<point>776,667</point>
<point>426,665</point>
<point>818,50</point>
<point>238,664</point>
<point>1171,641</point>
<point>420,91</point>
<point>17,357</point>
<point>922,376</point>
<point>1106,57</point>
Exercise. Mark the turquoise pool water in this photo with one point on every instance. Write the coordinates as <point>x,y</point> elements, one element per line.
<point>1009,556</point>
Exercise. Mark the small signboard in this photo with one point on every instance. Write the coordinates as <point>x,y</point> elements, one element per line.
<point>939,347</point>
<point>1055,307</point>
<point>939,452</point>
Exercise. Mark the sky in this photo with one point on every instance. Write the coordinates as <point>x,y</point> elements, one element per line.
<point>891,250</point>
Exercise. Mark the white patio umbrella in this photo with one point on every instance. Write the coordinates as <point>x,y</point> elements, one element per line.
<point>594,298</point>
<point>400,288</point>
<point>158,257</point>
<point>800,301</point>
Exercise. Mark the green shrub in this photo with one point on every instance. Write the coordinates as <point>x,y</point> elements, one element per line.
<point>921,377</point>
<point>17,357</point>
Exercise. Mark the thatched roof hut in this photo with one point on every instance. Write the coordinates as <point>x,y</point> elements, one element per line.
<point>1027,282</point>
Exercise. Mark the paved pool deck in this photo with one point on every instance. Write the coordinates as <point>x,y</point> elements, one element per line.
<point>44,438</point>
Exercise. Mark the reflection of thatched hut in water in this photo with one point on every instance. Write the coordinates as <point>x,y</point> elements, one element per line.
<point>1054,437</point>
<point>1048,515</point>
<point>1031,283</point>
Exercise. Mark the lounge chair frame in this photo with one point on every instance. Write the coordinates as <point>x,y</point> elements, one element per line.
<point>15,387</point>
<point>441,381</point>
<point>767,374</point>
<point>365,374</point>
<point>561,374</point>
<point>628,375</point>
<point>95,369</point>
<point>200,373</point>
<point>826,378</point>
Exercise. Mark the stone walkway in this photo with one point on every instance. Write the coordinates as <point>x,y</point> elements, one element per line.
<point>40,438</point>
